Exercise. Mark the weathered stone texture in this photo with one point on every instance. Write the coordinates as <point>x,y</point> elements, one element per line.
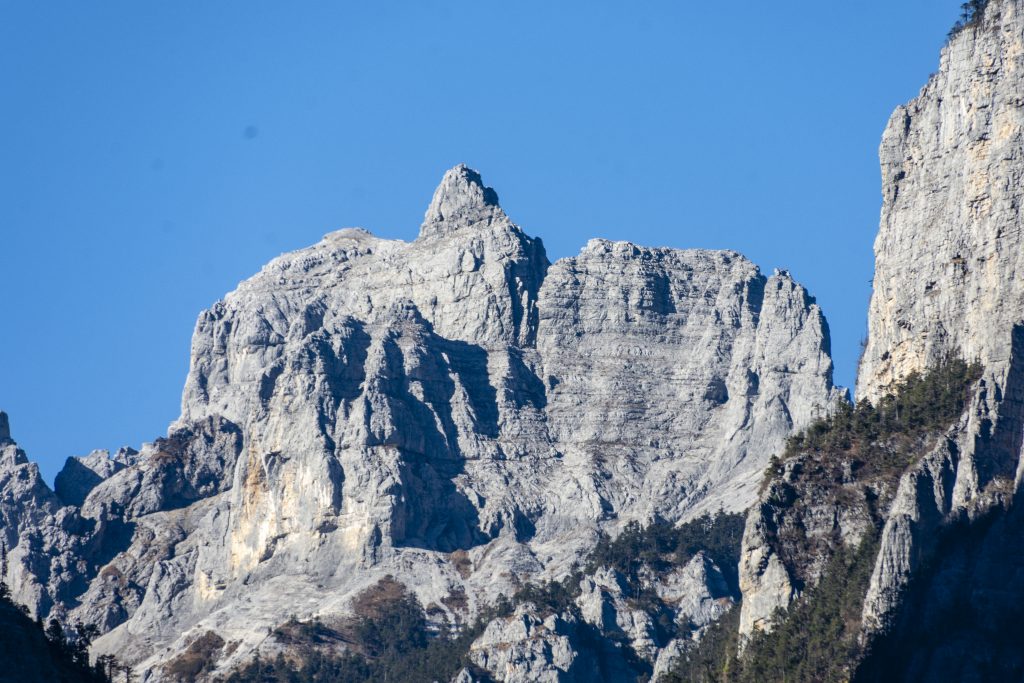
<point>365,407</point>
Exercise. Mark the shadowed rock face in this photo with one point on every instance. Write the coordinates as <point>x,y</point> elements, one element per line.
<point>82,474</point>
<point>364,407</point>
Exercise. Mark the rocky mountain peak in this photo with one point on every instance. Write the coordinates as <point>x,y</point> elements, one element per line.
<point>81,474</point>
<point>367,408</point>
<point>11,456</point>
<point>459,201</point>
<point>5,429</point>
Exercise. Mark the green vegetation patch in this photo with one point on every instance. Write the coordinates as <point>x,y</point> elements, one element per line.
<point>816,641</point>
<point>849,459</point>
<point>971,13</point>
<point>885,438</point>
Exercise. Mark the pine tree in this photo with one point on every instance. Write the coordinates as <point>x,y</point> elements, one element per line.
<point>85,634</point>
<point>971,13</point>
<point>55,632</point>
<point>107,665</point>
<point>5,592</point>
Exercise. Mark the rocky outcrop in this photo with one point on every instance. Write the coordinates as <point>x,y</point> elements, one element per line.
<point>945,284</point>
<point>697,591</point>
<point>454,412</point>
<point>92,561</point>
<point>947,579</point>
<point>805,513</point>
<point>691,596</point>
<point>947,257</point>
<point>81,475</point>
<point>603,604</point>
<point>964,476</point>
<point>948,250</point>
<point>699,595</point>
<point>613,630</point>
<point>526,647</point>
<point>45,542</point>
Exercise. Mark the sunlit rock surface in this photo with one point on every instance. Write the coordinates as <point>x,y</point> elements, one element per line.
<point>366,407</point>
<point>946,589</point>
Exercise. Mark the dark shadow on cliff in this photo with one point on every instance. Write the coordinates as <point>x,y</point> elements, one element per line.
<point>962,614</point>
<point>431,512</point>
<point>74,482</point>
<point>962,617</point>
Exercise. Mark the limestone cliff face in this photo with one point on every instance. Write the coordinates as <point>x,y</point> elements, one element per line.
<point>948,258</point>
<point>679,369</point>
<point>947,281</point>
<point>366,407</point>
<point>948,254</point>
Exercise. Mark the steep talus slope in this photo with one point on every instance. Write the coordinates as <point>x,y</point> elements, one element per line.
<point>946,579</point>
<point>454,413</point>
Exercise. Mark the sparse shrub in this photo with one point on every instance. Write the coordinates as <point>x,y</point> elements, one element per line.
<point>199,656</point>
<point>971,13</point>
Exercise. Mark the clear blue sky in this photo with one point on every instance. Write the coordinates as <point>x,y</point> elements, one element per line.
<point>154,154</point>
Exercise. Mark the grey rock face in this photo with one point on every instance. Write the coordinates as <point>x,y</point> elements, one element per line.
<point>464,676</point>
<point>948,250</point>
<point>662,364</point>
<point>698,592</point>
<point>526,647</point>
<point>947,257</point>
<point>603,604</point>
<point>945,586</point>
<point>793,530</point>
<point>693,596</point>
<point>91,562</point>
<point>80,475</point>
<point>973,473</point>
<point>461,200</point>
<point>26,506</point>
<point>365,407</point>
<point>47,545</point>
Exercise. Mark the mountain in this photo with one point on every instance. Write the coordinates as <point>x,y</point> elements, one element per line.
<point>922,508</point>
<point>453,460</point>
<point>371,425</point>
